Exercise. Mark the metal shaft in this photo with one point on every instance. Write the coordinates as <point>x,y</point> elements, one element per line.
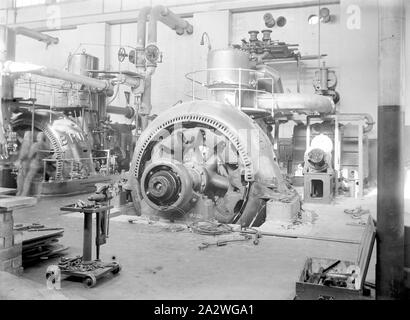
<point>390,199</point>
<point>88,237</point>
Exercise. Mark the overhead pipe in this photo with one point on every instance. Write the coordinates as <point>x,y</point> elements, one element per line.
<point>296,102</point>
<point>36,35</point>
<point>16,67</point>
<point>166,16</point>
<point>357,116</point>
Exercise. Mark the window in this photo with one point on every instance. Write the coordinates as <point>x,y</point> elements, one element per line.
<point>26,3</point>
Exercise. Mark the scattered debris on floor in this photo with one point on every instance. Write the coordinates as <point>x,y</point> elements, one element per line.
<point>223,243</point>
<point>360,223</point>
<point>166,226</point>
<point>154,270</point>
<point>356,213</point>
<point>359,215</point>
<point>175,228</point>
<point>210,228</point>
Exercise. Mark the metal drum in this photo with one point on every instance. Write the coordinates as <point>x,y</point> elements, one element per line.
<point>81,63</point>
<point>227,60</point>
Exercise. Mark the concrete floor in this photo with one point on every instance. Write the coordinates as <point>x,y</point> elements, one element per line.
<point>159,264</point>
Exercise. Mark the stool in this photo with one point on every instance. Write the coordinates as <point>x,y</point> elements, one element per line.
<point>319,187</point>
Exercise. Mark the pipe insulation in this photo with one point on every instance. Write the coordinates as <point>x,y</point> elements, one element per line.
<point>296,102</point>
<point>17,67</point>
<point>36,35</point>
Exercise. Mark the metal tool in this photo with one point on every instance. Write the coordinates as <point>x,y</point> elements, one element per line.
<point>321,276</point>
<point>223,243</point>
<point>258,236</point>
<point>35,227</point>
<point>45,229</point>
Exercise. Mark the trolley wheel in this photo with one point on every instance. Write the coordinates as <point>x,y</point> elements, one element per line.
<point>52,271</point>
<point>90,281</point>
<point>116,270</point>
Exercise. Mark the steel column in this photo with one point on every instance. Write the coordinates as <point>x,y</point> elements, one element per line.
<point>390,172</point>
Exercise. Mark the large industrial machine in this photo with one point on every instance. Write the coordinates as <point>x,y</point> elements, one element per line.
<point>213,157</point>
<point>83,146</point>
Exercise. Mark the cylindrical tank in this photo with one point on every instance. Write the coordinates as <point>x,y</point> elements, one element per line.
<point>81,63</point>
<point>226,60</point>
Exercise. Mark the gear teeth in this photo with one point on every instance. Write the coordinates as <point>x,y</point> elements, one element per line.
<point>249,172</point>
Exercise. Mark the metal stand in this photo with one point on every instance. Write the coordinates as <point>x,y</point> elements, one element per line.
<point>85,267</point>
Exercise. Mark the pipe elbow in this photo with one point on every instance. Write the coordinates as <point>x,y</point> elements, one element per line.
<point>189,29</point>
<point>143,13</point>
<point>169,18</point>
<point>33,34</point>
<point>159,11</point>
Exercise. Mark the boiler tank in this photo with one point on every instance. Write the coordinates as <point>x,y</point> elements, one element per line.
<point>81,63</point>
<point>228,61</point>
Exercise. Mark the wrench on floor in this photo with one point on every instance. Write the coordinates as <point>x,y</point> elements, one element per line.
<point>223,243</point>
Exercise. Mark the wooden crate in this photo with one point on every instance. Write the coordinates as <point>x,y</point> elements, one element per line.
<point>314,291</point>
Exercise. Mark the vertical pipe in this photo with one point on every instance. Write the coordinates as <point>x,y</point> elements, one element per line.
<point>390,199</point>
<point>297,75</point>
<point>141,37</point>
<point>146,102</point>
<point>98,232</point>
<point>337,155</point>
<point>307,133</point>
<point>240,88</point>
<point>276,138</point>
<point>319,49</point>
<point>7,52</point>
<point>361,157</point>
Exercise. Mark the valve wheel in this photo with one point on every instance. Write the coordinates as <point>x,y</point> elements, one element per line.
<point>122,54</point>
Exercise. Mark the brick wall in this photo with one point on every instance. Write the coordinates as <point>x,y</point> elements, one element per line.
<point>10,245</point>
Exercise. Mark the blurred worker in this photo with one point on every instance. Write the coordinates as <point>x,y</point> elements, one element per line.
<point>38,152</point>
<point>23,162</point>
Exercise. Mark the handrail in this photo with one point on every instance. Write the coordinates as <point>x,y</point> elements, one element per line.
<point>78,159</point>
<point>71,161</point>
<point>270,101</point>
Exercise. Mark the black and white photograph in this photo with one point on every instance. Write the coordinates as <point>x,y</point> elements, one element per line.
<point>203,157</point>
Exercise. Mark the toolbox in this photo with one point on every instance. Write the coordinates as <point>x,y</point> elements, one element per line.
<point>333,279</point>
